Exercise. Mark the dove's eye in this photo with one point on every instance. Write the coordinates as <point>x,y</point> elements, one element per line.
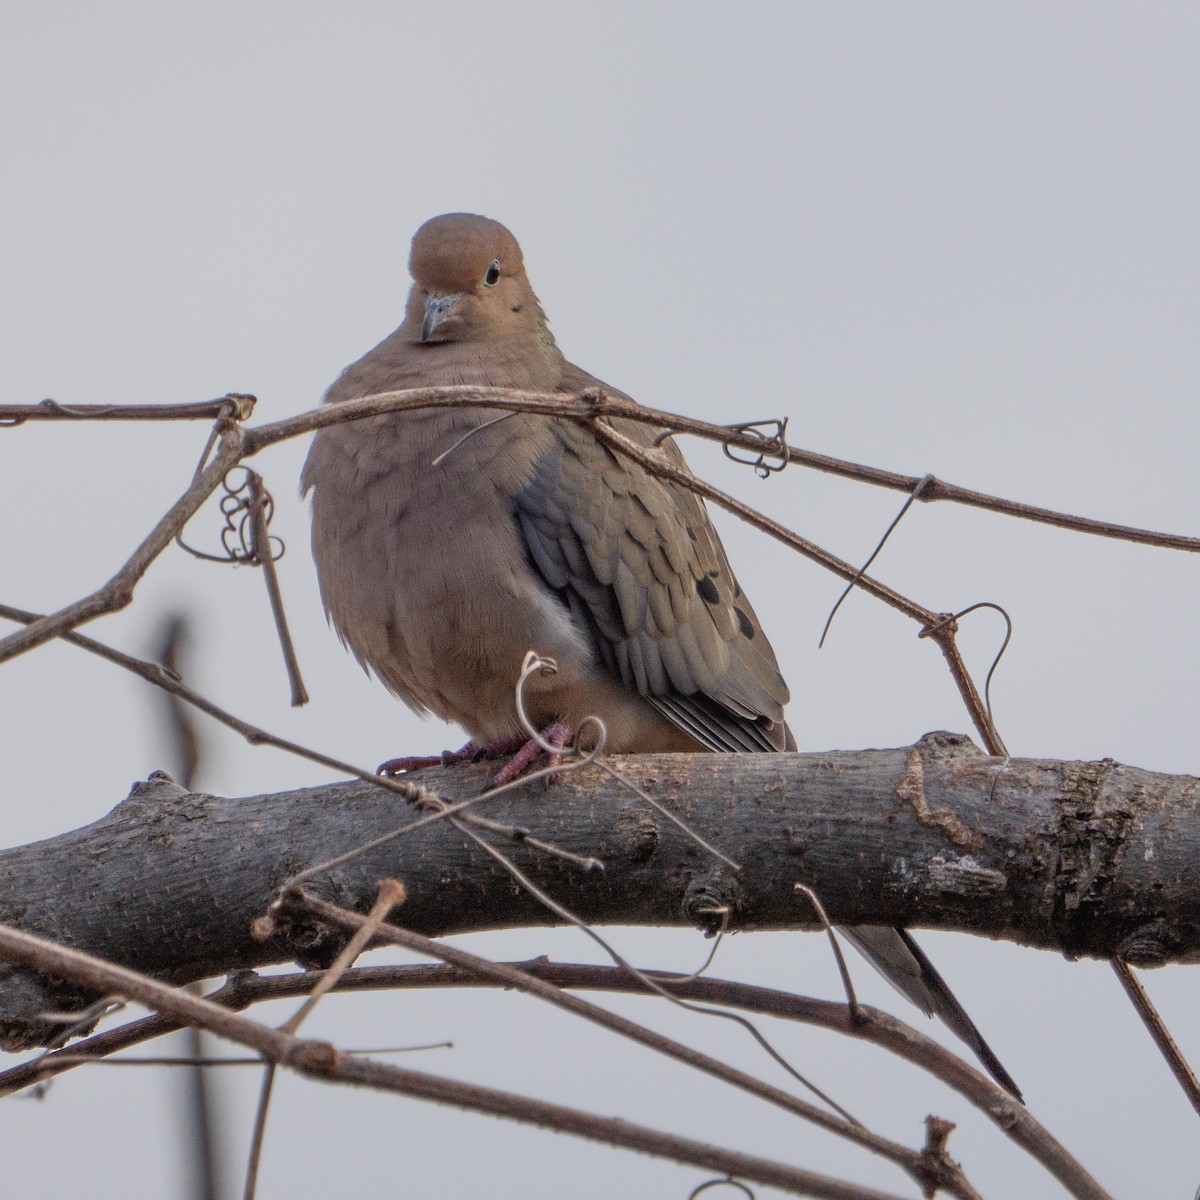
<point>493,273</point>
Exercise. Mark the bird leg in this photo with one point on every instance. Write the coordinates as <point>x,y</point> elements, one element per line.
<point>557,735</point>
<point>400,766</point>
<point>524,750</point>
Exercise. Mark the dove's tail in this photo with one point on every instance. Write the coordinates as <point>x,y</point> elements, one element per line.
<point>898,958</point>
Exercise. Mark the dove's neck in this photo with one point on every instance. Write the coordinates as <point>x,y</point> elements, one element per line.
<point>532,363</point>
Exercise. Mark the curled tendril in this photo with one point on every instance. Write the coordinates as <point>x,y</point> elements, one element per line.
<point>727,1181</point>
<point>772,434</point>
<point>238,507</point>
<point>987,683</point>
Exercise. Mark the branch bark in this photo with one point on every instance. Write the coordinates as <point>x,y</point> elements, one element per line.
<point>1092,859</point>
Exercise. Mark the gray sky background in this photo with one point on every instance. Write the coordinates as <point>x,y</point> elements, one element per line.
<point>950,238</point>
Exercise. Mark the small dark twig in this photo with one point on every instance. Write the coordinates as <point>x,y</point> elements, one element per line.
<point>887,533</point>
<point>159,676</point>
<point>1156,1027</point>
<point>838,956</point>
<point>935,1155</point>
<point>994,740</point>
<point>258,1134</point>
<point>118,591</point>
<point>261,508</point>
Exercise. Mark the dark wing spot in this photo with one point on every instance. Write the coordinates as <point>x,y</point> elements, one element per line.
<point>518,307</point>
<point>708,590</point>
<point>691,533</point>
<point>744,623</point>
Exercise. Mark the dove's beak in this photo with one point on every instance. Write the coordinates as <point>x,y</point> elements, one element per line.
<point>438,309</point>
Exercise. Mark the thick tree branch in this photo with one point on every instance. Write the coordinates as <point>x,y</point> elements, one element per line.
<point>1091,859</point>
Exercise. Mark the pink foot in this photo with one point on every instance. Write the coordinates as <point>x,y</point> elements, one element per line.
<point>401,766</point>
<point>557,735</point>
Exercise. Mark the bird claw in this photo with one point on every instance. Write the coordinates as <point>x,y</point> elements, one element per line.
<point>402,766</point>
<point>524,752</point>
<point>557,735</point>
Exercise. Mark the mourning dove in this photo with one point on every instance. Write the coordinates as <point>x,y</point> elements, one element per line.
<point>448,542</point>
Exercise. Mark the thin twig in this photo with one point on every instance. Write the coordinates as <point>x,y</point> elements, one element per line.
<point>237,406</point>
<point>583,406</point>
<point>320,1060</point>
<point>522,834</point>
<point>391,893</point>
<point>953,618</point>
<point>244,988</point>
<point>518,979</point>
<point>161,677</point>
<point>940,629</point>
<point>838,956</point>
<point>586,406</point>
<point>259,504</point>
<point>258,508</point>
<point>710,957</point>
<point>118,591</point>
<point>1167,1047</point>
<point>887,533</point>
<point>942,632</point>
<point>68,1058</point>
<point>258,1134</point>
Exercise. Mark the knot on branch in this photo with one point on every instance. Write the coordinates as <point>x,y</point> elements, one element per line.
<point>1150,945</point>
<point>942,743</point>
<point>594,399</point>
<point>936,1168</point>
<point>36,1010</point>
<point>640,833</point>
<point>289,927</point>
<point>709,901</point>
<point>157,801</point>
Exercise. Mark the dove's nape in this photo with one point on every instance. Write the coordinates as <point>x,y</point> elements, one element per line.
<point>448,542</point>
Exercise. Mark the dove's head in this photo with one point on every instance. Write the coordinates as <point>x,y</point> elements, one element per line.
<point>469,282</point>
